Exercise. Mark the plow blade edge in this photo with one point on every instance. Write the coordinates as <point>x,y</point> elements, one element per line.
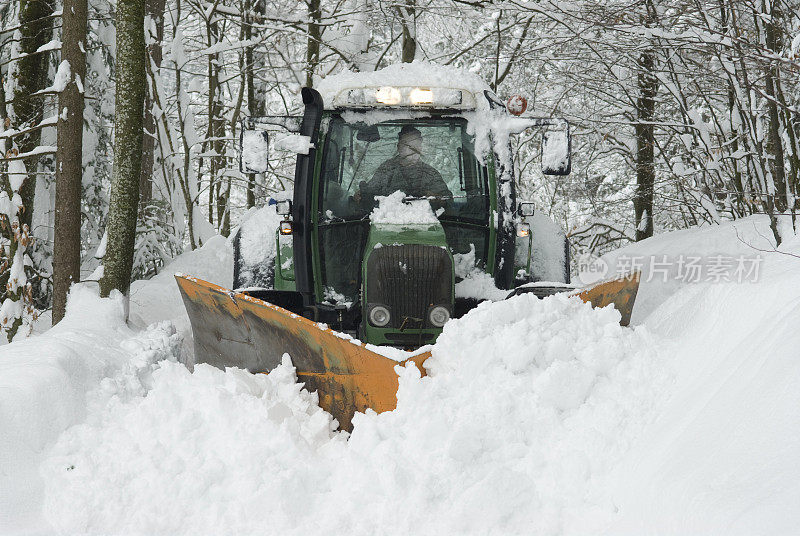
<point>621,293</point>
<point>231,329</point>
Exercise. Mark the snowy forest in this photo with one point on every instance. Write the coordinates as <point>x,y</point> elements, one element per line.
<point>683,112</point>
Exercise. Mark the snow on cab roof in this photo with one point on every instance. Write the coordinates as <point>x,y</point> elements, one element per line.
<point>419,74</point>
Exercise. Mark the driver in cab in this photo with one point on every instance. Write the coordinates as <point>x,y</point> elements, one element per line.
<point>405,172</point>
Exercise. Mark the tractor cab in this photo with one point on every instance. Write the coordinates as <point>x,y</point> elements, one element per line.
<point>400,191</point>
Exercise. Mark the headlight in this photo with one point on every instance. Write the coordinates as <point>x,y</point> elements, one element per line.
<point>388,95</point>
<point>439,316</point>
<point>421,96</point>
<point>379,316</point>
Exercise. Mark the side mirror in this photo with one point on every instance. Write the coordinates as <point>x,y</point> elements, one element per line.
<point>556,150</point>
<point>253,151</point>
<point>526,209</point>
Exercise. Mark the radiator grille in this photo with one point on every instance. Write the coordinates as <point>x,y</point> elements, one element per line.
<point>409,279</point>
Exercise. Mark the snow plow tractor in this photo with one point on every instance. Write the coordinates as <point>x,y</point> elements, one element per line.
<point>404,212</point>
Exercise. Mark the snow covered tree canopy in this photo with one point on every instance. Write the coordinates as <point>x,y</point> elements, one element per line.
<point>681,113</point>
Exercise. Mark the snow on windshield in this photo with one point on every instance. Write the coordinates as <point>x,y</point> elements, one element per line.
<point>426,158</point>
<point>393,209</point>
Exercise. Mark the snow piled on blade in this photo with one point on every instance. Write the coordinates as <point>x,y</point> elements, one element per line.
<point>528,404</point>
<point>200,454</point>
<point>158,298</point>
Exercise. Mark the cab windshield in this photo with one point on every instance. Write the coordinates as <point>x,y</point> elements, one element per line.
<point>423,158</point>
<point>430,158</point>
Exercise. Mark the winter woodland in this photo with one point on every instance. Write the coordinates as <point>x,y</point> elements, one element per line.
<point>683,113</point>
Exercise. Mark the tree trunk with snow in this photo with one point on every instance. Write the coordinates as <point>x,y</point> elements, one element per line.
<point>645,154</point>
<point>408,25</point>
<point>154,10</point>
<point>130,76</point>
<point>771,80</point>
<point>255,99</point>
<point>35,31</point>
<point>69,162</point>
<point>645,136</point>
<point>314,38</point>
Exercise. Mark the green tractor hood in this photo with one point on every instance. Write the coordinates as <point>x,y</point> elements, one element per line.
<point>407,284</point>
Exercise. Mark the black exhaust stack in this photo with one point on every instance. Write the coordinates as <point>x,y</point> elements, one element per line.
<point>301,206</point>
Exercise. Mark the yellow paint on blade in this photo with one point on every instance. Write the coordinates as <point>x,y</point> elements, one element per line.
<point>346,375</point>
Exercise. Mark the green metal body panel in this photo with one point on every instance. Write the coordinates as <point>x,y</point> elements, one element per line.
<point>426,235</point>
<point>284,267</point>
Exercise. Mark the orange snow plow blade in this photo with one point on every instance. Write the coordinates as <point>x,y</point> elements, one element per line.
<point>232,329</point>
<point>621,293</point>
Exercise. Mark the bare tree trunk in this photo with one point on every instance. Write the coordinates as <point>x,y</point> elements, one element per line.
<point>154,10</point>
<point>742,206</point>
<point>645,143</point>
<point>225,226</point>
<point>771,80</point>
<point>69,162</point>
<point>255,100</point>
<point>130,76</point>
<point>35,30</point>
<point>216,128</point>
<point>314,38</point>
<point>645,136</point>
<point>406,12</point>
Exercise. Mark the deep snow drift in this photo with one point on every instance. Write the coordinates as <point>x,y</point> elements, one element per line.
<point>723,456</point>
<point>50,382</point>
<point>527,406</point>
<point>537,417</point>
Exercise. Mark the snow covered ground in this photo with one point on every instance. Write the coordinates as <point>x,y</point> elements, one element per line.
<point>537,417</point>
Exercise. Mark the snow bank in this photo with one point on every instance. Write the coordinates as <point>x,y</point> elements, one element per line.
<point>722,254</point>
<point>158,298</point>
<point>393,210</point>
<point>527,405</point>
<point>537,417</point>
<point>44,382</point>
<point>723,457</point>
